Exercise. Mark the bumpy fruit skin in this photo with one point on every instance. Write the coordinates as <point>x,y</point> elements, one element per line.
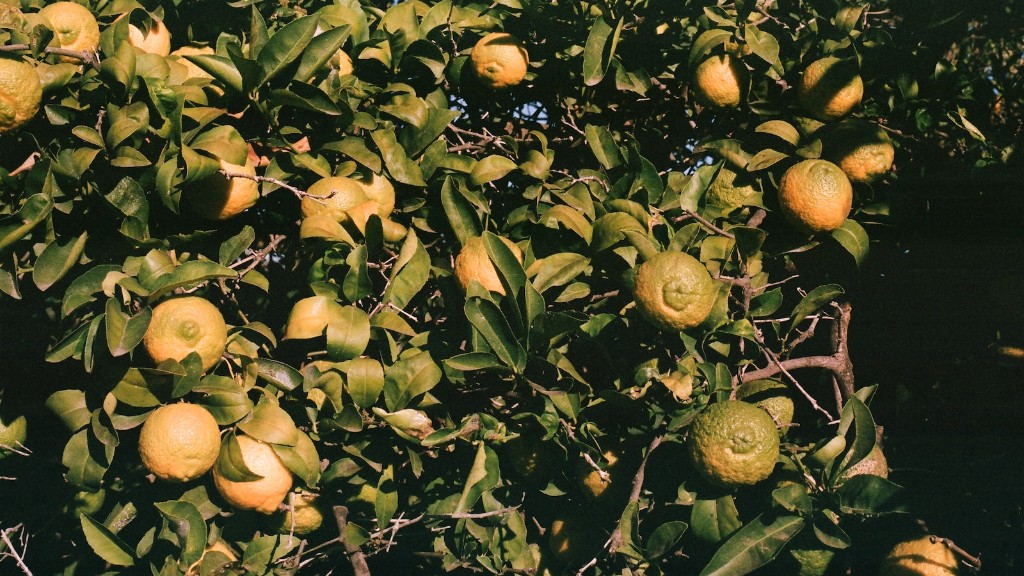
<point>74,27</point>
<point>920,557</point>
<point>830,89</point>
<point>218,546</point>
<point>472,263</point>
<point>499,60</point>
<point>305,517</point>
<point>219,197</point>
<point>874,463</point>
<point>862,149</point>
<point>812,561</point>
<point>183,325</point>
<point>20,94</point>
<point>815,196</point>
<point>674,291</point>
<point>732,190</point>
<point>179,442</point>
<point>733,444</point>
<point>261,495</point>
<point>721,81</point>
<point>771,396</point>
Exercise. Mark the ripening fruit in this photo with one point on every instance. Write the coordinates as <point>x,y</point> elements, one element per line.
<point>184,325</point>
<point>733,444</point>
<point>830,89</point>
<point>920,557</point>
<point>499,60</point>
<point>74,27</point>
<point>815,196</point>
<point>472,263</point>
<point>262,495</point>
<point>179,442</point>
<point>721,81</point>
<point>674,291</point>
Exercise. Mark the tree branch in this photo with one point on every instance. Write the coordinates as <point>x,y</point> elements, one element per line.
<point>355,554</point>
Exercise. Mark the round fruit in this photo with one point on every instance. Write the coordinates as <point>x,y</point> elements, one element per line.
<point>731,190</point>
<point>830,89</point>
<point>335,195</point>
<point>674,291</point>
<point>721,81</point>
<point>874,463</point>
<point>20,93</point>
<point>305,516</point>
<point>499,60</point>
<point>220,197</point>
<point>341,62</point>
<point>218,546</point>
<point>771,396</point>
<point>155,39</point>
<point>184,325</point>
<point>193,70</point>
<point>920,557</point>
<point>310,316</point>
<point>593,485</point>
<point>733,444</point>
<point>74,27</point>
<point>862,149</point>
<point>815,196</point>
<point>179,442</point>
<point>13,433</point>
<point>472,263</point>
<point>262,495</point>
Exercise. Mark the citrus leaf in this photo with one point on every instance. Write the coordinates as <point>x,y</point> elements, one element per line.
<point>600,50</point>
<point>188,525</point>
<point>348,334</point>
<point>491,168</point>
<point>408,378</point>
<point>715,519</point>
<point>603,145</point>
<point>753,546</point>
<point>814,300</point>
<point>867,494</point>
<point>286,45</point>
<point>124,332</point>
<point>365,381</point>
<point>105,543</point>
<point>271,424</point>
<point>279,374</point>
<point>852,236</point>
<point>489,321</point>
<point>56,260</point>
<point>483,476</point>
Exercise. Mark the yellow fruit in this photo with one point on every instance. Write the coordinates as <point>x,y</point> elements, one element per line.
<point>815,196</point>
<point>574,538</point>
<point>862,149</point>
<point>593,485</point>
<point>472,263</point>
<point>262,495</point>
<point>20,93</point>
<point>674,291</point>
<point>193,70</point>
<point>219,197</point>
<point>341,62</point>
<point>183,325</point>
<point>920,557</point>
<point>771,396</point>
<point>13,433</point>
<point>179,442</point>
<point>830,89</point>
<point>310,316</point>
<point>733,444</point>
<point>732,190</point>
<point>74,27</point>
<point>218,546</point>
<point>155,39</point>
<point>721,81</point>
<point>499,60</point>
<point>336,195</point>
<point>305,517</point>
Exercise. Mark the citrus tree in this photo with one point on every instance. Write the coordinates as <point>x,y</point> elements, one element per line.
<point>507,287</point>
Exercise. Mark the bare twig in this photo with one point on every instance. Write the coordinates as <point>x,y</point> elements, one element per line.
<point>691,215</point>
<point>90,58</point>
<point>634,495</point>
<point>12,552</point>
<point>973,562</point>
<point>300,193</point>
<point>355,554</point>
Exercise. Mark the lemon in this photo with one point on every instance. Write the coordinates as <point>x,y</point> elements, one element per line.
<point>262,495</point>
<point>154,39</point>
<point>593,485</point>
<point>220,197</point>
<point>771,396</point>
<point>341,62</point>
<point>812,561</point>
<point>815,196</point>
<point>472,263</point>
<point>733,444</point>
<point>184,325</point>
<point>732,190</point>
<point>920,557</point>
<point>499,60</point>
<point>674,291</point>
<point>218,548</point>
<point>862,149</point>
<point>305,516</point>
<point>193,70</point>
<point>830,89</point>
<point>179,442</point>
<point>721,81</point>
<point>20,93</point>
<point>74,27</point>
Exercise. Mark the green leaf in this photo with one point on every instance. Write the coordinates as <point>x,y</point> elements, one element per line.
<point>852,236</point>
<point>271,424</point>
<point>600,50</point>
<point>319,51</point>
<point>794,498</point>
<point>491,168</point>
<point>628,530</point>
<point>285,46</point>
<point>81,290</point>
<point>705,43</point>
<point>105,543</point>
<point>70,407</point>
<point>780,129</point>
<point>461,216</point>
<point>602,144</point>
<point>489,321</point>
<point>753,546</point>
<point>395,158</point>
<point>223,69</point>
<point>483,476</point>
<point>302,459</point>
<point>410,272</point>
<point>714,520</point>
<point>348,334</point>
<point>124,332</point>
<point>664,538</point>
<point>281,375</point>
<point>233,247</point>
<point>84,470</point>
<point>386,503</point>
<point>408,378</point>
<point>764,46</point>
<point>56,260</point>
<point>189,274</point>
<point>230,462</point>
<point>188,525</point>
<point>867,494</point>
<point>814,300</point>
<point>365,381</point>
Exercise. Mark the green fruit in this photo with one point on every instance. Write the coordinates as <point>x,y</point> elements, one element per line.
<point>734,444</point>
<point>771,396</point>
<point>13,433</point>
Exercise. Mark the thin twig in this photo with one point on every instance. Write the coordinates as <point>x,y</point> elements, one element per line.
<point>356,556</point>
<point>690,214</point>
<point>19,558</point>
<point>973,562</point>
<point>90,58</point>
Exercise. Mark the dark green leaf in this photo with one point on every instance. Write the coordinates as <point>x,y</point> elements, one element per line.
<point>286,45</point>
<point>56,260</point>
<point>753,546</point>
<point>105,543</point>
